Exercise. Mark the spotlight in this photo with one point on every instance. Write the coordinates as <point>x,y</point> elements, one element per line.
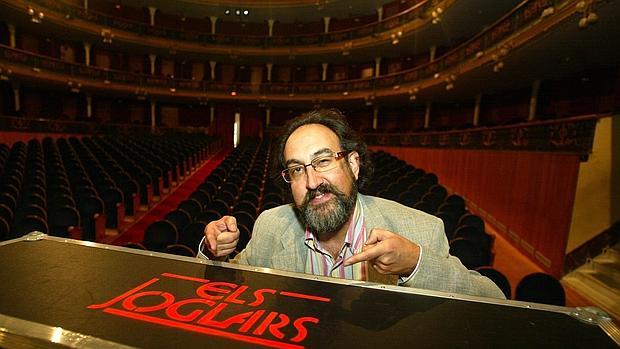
<point>227,12</point>
<point>592,17</point>
<point>238,12</point>
<point>246,12</point>
<point>35,16</point>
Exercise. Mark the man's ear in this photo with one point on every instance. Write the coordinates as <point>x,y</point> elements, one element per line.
<point>354,163</point>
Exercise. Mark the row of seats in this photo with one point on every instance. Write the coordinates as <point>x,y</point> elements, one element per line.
<point>78,187</point>
<point>240,186</point>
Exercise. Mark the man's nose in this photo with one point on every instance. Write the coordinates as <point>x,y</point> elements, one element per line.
<point>313,178</point>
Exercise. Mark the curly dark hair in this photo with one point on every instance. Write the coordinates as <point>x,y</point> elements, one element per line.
<point>334,120</point>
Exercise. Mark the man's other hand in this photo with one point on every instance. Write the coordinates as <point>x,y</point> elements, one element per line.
<point>388,253</point>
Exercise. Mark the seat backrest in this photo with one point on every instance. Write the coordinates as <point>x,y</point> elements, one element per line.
<point>4,229</point>
<point>90,205</point>
<point>179,250</point>
<point>202,196</point>
<point>160,234</point>
<point>498,279</point>
<point>6,212</point>
<point>540,288</point>
<point>219,206</point>
<point>63,217</point>
<point>481,239</point>
<point>28,224</point>
<point>180,218</point>
<point>192,234</point>
<point>473,220</point>
<point>449,224</point>
<point>470,255</point>
<point>191,206</point>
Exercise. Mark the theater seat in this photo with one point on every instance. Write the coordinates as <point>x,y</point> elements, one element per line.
<point>160,234</point>
<point>192,234</point>
<point>470,255</point>
<point>179,250</point>
<point>498,279</point>
<point>27,225</point>
<point>62,219</point>
<point>4,229</point>
<point>540,288</point>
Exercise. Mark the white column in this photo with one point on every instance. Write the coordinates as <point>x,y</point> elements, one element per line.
<point>534,100</point>
<point>269,70</point>
<point>375,117</point>
<point>326,24</point>
<point>267,116</point>
<point>211,115</point>
<point>213,22</point>
<point>86,4</point>
<point>377,67</point>
<point>427,115</point>
<point>11,28</point>
<point>477,109</point>
<point>152,59</point>
<point>380,13</point>
<point>16,98</point>
<point>432,53</point>
<point>152,11</point>
<point>212,65</point>
<point>89,106</point>
<point>153,112</point>
<point>270,23</point>
<point>87,53</point>
<point>324,75</point>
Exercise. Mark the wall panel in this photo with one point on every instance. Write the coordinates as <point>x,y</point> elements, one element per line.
<point>527,196</point>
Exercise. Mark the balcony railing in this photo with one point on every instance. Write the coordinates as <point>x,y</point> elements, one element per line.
<point>573,135</point>
<point>37,125</point>
<point>514,21</point>
<point>206,38</point>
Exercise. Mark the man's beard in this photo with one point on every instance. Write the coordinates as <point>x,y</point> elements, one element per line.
<point>330,216</point>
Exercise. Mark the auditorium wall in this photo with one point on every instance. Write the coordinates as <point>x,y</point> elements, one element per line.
<point>527,196</point>
<point>597,198</point>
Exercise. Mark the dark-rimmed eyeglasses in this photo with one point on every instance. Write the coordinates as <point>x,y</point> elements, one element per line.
<point>321,163</point>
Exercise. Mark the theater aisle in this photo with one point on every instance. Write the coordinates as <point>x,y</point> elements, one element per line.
<point>136,232</point>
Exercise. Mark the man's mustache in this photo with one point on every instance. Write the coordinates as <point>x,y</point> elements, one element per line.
<point>324,188</point>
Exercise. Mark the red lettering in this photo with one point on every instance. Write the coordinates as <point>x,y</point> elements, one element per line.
<point>173,310</point>
<point>258,294</point>
<point>128,303</point>
<point>207,320</point>
<point>213,287</point>
<point>263,326</point>
<point>251,321</point>
<point>210,313</point>
<point>233,297</point>
<point>126,294</point>
<point>274,329</point>
<point>302,332</point>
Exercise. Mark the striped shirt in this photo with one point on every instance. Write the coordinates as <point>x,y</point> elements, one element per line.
<point>321,262</point>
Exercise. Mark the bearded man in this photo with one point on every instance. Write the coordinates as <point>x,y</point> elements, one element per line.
<point>332,230</point>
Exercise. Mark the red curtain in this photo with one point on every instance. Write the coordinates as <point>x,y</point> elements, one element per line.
<point>527,196</point>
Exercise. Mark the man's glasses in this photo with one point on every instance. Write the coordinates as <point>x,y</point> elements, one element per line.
<point>321,163</point>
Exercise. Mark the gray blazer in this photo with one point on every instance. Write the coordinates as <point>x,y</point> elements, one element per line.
<point>278,242</point>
